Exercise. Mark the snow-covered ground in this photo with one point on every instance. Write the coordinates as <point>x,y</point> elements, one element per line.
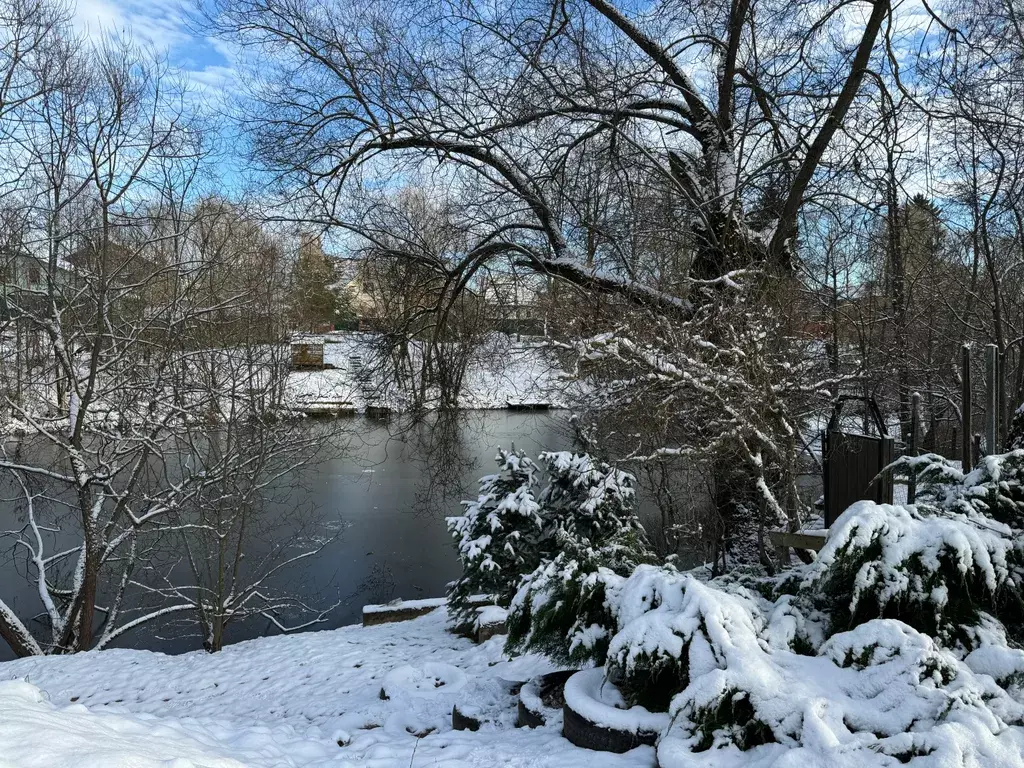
<point>312,699</point>
<point>382,697</point>
<point>506,371</point>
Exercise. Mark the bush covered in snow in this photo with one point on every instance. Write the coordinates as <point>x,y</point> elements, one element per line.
<point>934,570</point>
<point>561,608</point>
<point>498,538</point>
<point>1015,437</point>
<point>898,644</point>
<point>752,681</point>
<point>671,627</point>
<point>882,689</point>
<point>588,502</point>
<point>995,488</point>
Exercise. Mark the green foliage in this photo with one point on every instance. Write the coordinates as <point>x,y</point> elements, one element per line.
<point>652,679</point>
<point>730,720</point>
<point>994,489</point>
<point>498,538</point>
<point>666,620</point>
<point>589,502</point>
<point>1015,437</point>
<point>933,570</point>
<point>561,608</point>
<point>314,299</point>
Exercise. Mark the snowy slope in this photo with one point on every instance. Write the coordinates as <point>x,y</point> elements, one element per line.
<point>312,699</point>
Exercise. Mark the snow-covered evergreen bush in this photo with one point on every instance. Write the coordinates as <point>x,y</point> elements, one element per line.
<point>896,645</point>
<point>589,502</point>
<point>673,629</point>
<point>498,538</point>
<point>561,609</point>
<point>881,689</point>
<point>934,569</point>
<point>995,488</point>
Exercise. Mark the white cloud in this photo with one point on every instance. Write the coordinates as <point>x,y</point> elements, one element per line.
<point>160,24</point>
<point>164,26</point>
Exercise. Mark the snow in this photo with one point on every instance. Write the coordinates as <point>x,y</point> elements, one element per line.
<point>530,695</point>
<point>874,696</point>
<point>508,372</point>
<point>422,680</point>
<point>589,696</point>
<point>35,733</point>
<point>877,695</point>
<point>908,546</point>
<point>311,699</point>
<point>412,605</point>
<point>491,615</point>
<point>868,699</point>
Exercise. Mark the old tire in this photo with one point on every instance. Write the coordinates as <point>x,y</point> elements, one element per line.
<point>591,723</point>
<point>541,698</point>
<point>461,722</point>
<point>491,700</point>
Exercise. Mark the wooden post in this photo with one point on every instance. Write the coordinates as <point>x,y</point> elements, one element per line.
<point>966,429</point>
<point>915,428</point>
<point>991,399</point>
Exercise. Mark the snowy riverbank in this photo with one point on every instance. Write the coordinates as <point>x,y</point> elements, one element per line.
<point>504,371</point>
<point>382,696</point>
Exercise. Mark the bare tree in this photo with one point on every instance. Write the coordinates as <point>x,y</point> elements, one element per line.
<point>161,389</point>
<point>512,96</point>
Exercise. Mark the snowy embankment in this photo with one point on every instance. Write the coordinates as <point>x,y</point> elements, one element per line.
<point>304,700</point>
<point>505,372</point>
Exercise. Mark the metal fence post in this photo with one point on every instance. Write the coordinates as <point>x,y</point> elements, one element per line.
<point>965,407</point>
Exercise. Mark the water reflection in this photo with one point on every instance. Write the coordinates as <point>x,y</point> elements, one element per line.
<point>382,491</point>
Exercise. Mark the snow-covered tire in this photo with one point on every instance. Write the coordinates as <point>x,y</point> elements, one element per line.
<point>461,722</point>
<point>532,712</point>
<point>586,734</point>
<point>527,718</point>
<point>488,700</point>
<point>591,723</point>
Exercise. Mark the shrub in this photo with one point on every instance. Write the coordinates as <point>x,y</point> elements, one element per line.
<point>880,689</point>
<point>588,502</point>
<point>674,628</point>
<point>994,489</point>
<point>934,570</point>
<point>1015,437</point>
<point>562,608</point>
<point>498,538</point>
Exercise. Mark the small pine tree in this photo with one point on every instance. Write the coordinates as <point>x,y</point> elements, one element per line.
<point>498,538</point>
<point>561,609</point>
<point>587,501</point>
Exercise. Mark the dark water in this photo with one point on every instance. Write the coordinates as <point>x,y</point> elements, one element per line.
<point>385,496</point>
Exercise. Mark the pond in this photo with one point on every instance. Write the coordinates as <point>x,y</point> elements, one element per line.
<point>385,495</point>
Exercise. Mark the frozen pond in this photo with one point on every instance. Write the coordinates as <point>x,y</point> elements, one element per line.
<point>385,497</point>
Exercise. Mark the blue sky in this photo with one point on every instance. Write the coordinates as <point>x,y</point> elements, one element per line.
<point>163,24</point>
